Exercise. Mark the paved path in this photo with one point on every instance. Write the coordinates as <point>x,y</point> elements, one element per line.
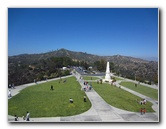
<point>99,112</point>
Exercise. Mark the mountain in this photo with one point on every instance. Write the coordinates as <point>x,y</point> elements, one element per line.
<point>135,68</point>
<point>46,64</point>
<point>75,56</point>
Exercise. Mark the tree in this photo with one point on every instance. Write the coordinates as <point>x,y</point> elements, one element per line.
<point>100,65</point>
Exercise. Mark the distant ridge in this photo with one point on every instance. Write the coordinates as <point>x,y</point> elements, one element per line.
<point>125,66</point>
<point>78,55</point>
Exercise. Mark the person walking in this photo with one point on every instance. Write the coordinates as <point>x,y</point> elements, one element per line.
<point>13,86</point>
<point>28,116</point>
<point>9,94</point>
<point>15,118</point>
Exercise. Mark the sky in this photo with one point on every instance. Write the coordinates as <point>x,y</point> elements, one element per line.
<point>101,31</point>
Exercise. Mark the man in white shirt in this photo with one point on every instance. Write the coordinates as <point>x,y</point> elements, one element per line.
<point>27,116</point>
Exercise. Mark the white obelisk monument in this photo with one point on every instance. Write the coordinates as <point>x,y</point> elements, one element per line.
<point>107,73</point>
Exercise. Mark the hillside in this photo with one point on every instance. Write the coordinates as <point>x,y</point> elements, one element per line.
<point>135,68</point>
<point>75,56</point>
<point>24,68</point>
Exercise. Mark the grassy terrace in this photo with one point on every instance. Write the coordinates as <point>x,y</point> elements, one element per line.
<point>90,78</point>
<point>120,98</point>
<point>40,101</point>
<point>150,92</point>
<point>116,78</point>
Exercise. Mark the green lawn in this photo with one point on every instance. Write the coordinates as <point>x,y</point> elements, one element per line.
<point>117,78</point>
<point>120,98</point>
<point>150,92</point>
<point>40,101</point>
<point>90,78</point>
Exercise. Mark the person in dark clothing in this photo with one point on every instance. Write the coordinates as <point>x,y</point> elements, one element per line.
<point>27,116</point>
<point>71,100</point>
<point>16,118</point>
<point>84,98</point>
<point>52,88</point>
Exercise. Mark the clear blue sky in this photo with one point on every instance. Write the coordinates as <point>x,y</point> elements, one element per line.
<point>101,31</point>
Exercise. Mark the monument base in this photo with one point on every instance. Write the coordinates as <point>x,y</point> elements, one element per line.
<point>107,80</point>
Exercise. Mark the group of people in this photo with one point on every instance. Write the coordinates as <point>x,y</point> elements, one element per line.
<point>87,86</point>
<point>71,100</point>
<point>142,110</point>
<point>100,81</point>
<point>26,118</point>
<point>12,86</point>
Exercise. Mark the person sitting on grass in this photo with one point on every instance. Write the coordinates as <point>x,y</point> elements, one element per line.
<point>52,88</point>
<point>71,100</point>
<point>140,102</point>
<point>144,101</point>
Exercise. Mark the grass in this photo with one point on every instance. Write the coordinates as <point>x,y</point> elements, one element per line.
<point>150,92</point>
<point>117,78</point>
<point>40,101</point>
<point>90,78</point>
<point>120,98</point>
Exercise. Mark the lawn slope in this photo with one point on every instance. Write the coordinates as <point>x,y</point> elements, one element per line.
<point>40,101</point>
<point>150,92</point>
<point>120,98</point>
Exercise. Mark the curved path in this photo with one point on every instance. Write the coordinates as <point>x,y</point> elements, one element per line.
<point>99,112</point>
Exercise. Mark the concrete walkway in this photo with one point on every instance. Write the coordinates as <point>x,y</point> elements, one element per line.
<point>99,112</point>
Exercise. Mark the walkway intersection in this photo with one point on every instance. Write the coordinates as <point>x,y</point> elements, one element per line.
<point>99,112</point>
